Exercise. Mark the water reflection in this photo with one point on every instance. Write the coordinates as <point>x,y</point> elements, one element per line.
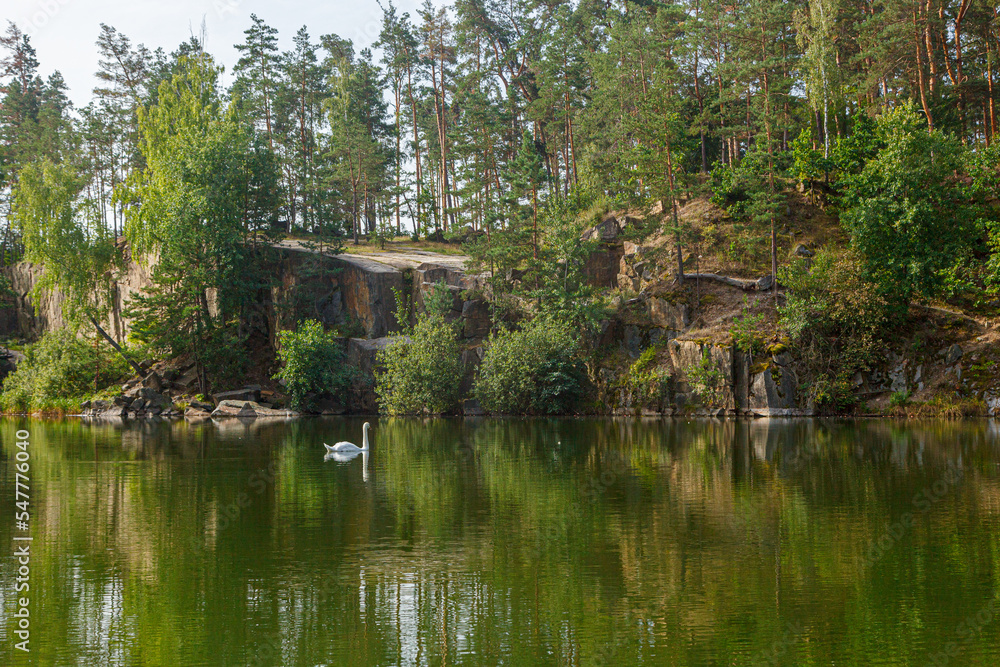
<point>517,541</point>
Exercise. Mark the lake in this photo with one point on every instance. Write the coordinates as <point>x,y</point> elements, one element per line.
<point>505,541</point>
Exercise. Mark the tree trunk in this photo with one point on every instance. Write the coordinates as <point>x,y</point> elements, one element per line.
<point>116,346</point>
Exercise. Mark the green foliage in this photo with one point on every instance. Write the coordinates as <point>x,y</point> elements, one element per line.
<point>438,300</point>
<point>312,364</point>
<point>852,152</point>
<point>646,380</point>
<point>64,232</point>
<point>707,380</point>
<point>747,333</point>
<point>533,370</point>
<point>750,190</point>
<point>420,371</point>
<point>984,172</point>
<point>204,205</point>
<point>61,366</point>
<point>808,164</point>
<point>909,217</point>
<point>899,399</point>
<point>836,319</point>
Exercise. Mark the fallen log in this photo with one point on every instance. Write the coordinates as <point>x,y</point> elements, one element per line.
<point>745,285</point>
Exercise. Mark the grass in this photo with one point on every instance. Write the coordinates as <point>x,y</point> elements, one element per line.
<point>941,407</point>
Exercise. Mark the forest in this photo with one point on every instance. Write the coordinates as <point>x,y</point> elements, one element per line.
<point>508,124</point>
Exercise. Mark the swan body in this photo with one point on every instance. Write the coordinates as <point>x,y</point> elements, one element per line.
<point>348,447</point>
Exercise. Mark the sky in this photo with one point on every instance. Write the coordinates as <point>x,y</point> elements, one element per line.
<point>64,32</point>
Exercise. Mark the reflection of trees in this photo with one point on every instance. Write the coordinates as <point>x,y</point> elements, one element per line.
<point>539,541</point>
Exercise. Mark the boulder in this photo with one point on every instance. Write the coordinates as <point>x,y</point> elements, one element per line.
<point>153,381</point>
<point>605,231</point>
<point>197,413</point>
<point>953,354</point>
<point>114,412</point>
<point>629,282</point>
<point>252,409</point>
<point>897,377</point>
<point>471,360</point>
<point>663,313</point>
<point>603,266</point>
<point>152,398</point>
<point>765,283</point>
<point>802,251</point>
<point>772,392</point>
<point>248,393</point>
<point>686,355</point>
<point>475,318</point>
<point>187,381</point>
<point>633,342</point>
<point>630,249</point>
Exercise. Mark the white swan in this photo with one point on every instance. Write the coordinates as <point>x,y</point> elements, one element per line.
<point>350,446</point>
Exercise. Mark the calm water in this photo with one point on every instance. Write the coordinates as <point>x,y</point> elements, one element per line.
<point>515,542</point>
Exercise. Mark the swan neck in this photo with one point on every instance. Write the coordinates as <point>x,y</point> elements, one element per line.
<point>364,439</point>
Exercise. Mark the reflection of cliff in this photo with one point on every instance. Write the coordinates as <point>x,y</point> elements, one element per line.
<point>528,541</point>
<point>715,517</point>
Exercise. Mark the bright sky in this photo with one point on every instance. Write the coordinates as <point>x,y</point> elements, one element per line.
<point>64,32</point>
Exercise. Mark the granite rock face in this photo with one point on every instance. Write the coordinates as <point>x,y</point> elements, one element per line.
<point>602,266</point>
<point>334,289</point>
<point>361,356</point>
<point>248,409</point>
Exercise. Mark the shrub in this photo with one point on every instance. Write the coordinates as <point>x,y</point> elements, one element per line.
<point>61,366</point>
<point>647,382</point>
<point>899,399</point>
<point>531,371</point>
<point>707,380</point>
<point>747,331</point>
<point>837,320</point>
<point>312,364</point>
<point>420,372</point>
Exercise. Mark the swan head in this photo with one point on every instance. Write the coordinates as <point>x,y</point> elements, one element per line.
<point>366,426</point>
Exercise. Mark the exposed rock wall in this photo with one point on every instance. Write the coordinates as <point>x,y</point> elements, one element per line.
<point>334,290</point>
<point>22,318</point>
<point>337,288</point>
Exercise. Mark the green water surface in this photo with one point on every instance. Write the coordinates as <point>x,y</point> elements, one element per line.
<point>506,542</point>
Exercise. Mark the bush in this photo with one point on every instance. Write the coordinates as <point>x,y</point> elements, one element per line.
<point>747,331</point>
<point>911,220</point>
<point>420,372</point>
<point>646,381</point>
<point>58,367</point>
<point>531,371</point>
<point>707,380</point>
<point>837,320</point>
<point>312,364</point>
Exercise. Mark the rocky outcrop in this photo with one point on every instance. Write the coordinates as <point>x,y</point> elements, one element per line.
<point>142,403</point>
<point>637,268</point>
<point>248,409</point>
<point>248,393</point>
<point>335,290</point>
<point>27,316</point>
<point>668,314</point>
<point>601,267</point>
<point>773,391</point>
<point>361,355</point>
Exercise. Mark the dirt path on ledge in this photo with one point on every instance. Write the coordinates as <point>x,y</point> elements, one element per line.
<point>404,258</point>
